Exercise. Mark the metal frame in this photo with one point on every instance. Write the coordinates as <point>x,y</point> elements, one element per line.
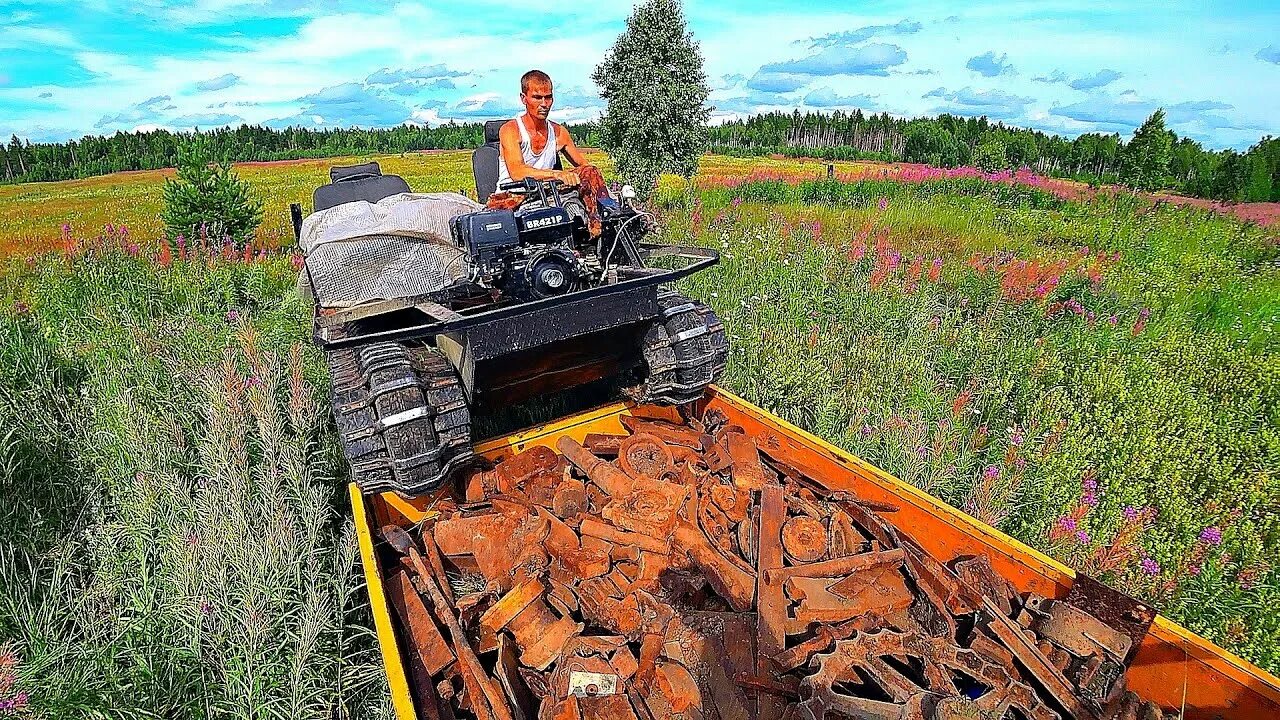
<point>445,321</point>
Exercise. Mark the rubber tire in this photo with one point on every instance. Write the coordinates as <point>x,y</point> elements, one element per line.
<point>402,416</point>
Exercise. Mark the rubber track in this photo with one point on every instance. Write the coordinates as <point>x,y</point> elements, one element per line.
<point>402,416</point>
<point>685,352</point>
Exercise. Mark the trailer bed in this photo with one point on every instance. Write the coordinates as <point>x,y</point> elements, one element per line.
<point>1173,667</point>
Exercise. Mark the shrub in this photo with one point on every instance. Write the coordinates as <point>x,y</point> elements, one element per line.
<point>207,198</point>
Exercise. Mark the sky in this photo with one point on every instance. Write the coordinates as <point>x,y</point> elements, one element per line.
<point>97,66</point>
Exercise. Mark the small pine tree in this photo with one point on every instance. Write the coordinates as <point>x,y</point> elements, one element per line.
<point>1144,163</point>
<point>208,194</point>
<point>656,90</point>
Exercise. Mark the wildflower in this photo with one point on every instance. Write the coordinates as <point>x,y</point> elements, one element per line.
<point>1131,513</point>
<point>252,381</point>
<point>1211,535</point>
<point>14,704</point>
<point>1089,499</point>
<point>296,260</point>
<point>696,218</point>
<point>206,607</point>
<point>935,270</point>
<point>1082,536</point>
<point>1015,438</point>
<point>1067,523</point>
<point>1089,483</point>
<point>1141,323</point>
<point>66,230</point>
<point>736,202</point>
<point>922,451</point>
<point>866,431</point>
<point>882,204</point>
<point>1113,321</point>
<point>991,472</point>
<point>233,316</point>
<point>132,249</point>
<point>21,308</point>
<point>1150,566</point>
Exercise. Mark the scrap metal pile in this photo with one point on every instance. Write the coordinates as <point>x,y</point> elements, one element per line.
<point>679,572</point>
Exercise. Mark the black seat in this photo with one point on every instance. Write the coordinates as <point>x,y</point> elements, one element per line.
<point>349,183</point>
<point>484,160</point>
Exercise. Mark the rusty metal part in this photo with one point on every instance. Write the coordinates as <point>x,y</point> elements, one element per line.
<point>842,538</point>
<point>1114,609</point>
<point>604,474</point>
<point>748,472</point>
<point>905,666</point>
<point>695,641</point>
<point>1047,676</point>
<point>645,457</point>
<point>649,507</point>
<point>481,688</point>
<point>976,572</point>
<point>838,567</point>
<point>771,635</point>
<point>668,433</point>
<point>733,583</point>
<point>428,644</point>
<point>603,445</point>
<point>804,539</point>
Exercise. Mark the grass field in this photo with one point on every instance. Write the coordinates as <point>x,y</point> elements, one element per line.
<point>1099,377</point>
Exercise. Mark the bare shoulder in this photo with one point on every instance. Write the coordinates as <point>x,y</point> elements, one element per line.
<point>508,129</point>
<point>562,135</point>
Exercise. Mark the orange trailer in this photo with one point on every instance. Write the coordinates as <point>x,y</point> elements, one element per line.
<point>1173,667</point>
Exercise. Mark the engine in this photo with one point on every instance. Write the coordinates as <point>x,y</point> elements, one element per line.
<point>528,254</point>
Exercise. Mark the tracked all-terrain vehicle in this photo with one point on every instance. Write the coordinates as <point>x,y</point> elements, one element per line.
<point>532,303</point>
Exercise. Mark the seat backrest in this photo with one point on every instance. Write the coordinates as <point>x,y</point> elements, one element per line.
<point>357,182</point>
<point>484,160</point>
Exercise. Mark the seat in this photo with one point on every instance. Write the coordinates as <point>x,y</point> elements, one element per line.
<point>349,183</point>
<point>484,160</point>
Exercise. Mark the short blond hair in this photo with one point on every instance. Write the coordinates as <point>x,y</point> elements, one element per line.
<point>533,76</point>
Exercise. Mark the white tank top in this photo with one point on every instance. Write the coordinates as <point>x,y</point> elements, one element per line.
<point>546,160</point>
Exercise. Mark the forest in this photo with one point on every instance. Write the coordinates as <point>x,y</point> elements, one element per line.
<point>1155,158</point>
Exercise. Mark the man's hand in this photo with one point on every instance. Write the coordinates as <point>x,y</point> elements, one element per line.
<point>568,178</point>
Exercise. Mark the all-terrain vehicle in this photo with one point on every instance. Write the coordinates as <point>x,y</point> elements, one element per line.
<point>542,305</point>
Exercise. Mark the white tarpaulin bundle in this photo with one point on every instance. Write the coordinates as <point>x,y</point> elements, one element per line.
<point>397,247</point>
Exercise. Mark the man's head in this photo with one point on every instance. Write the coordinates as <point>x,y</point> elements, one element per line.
<point>535,93</point>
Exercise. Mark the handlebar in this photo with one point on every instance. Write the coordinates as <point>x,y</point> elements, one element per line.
<point>528,185</point>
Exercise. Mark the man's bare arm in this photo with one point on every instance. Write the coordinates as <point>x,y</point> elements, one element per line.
<point>568,147</point>
<point>509,141</point>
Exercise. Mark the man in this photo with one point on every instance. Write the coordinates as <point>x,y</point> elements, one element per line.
<point>531,142</point>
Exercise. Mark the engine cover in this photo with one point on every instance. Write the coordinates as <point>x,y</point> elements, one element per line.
<point>487,236</point>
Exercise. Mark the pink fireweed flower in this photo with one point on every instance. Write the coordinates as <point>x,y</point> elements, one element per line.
<point>1089,484</point>
<point>1067,523</point>
<point>866,431</point>
<point>1113,321</point>
<point>882,204</point>
<point>1089,499</point>
<point>991,472</point>
<point>296,261</point>
<point>1131,513</point>
<point>233,316</point>
<point>1211,535</point>
<point>736,202</point>
<point>1082,536</point>
<point>1141,323</point>
<point>1150,566</point>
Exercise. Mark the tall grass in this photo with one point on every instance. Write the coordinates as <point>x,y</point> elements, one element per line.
<point>180,548</point>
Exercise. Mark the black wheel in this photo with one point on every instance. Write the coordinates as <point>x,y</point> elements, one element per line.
<point>402,416</point>
<point>685,351</point>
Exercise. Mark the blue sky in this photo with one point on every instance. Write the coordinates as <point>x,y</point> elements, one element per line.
<point>97,66</point>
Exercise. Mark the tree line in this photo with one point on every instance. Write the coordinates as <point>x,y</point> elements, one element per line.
<point>153,149</point>
<point>1155,158</point>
